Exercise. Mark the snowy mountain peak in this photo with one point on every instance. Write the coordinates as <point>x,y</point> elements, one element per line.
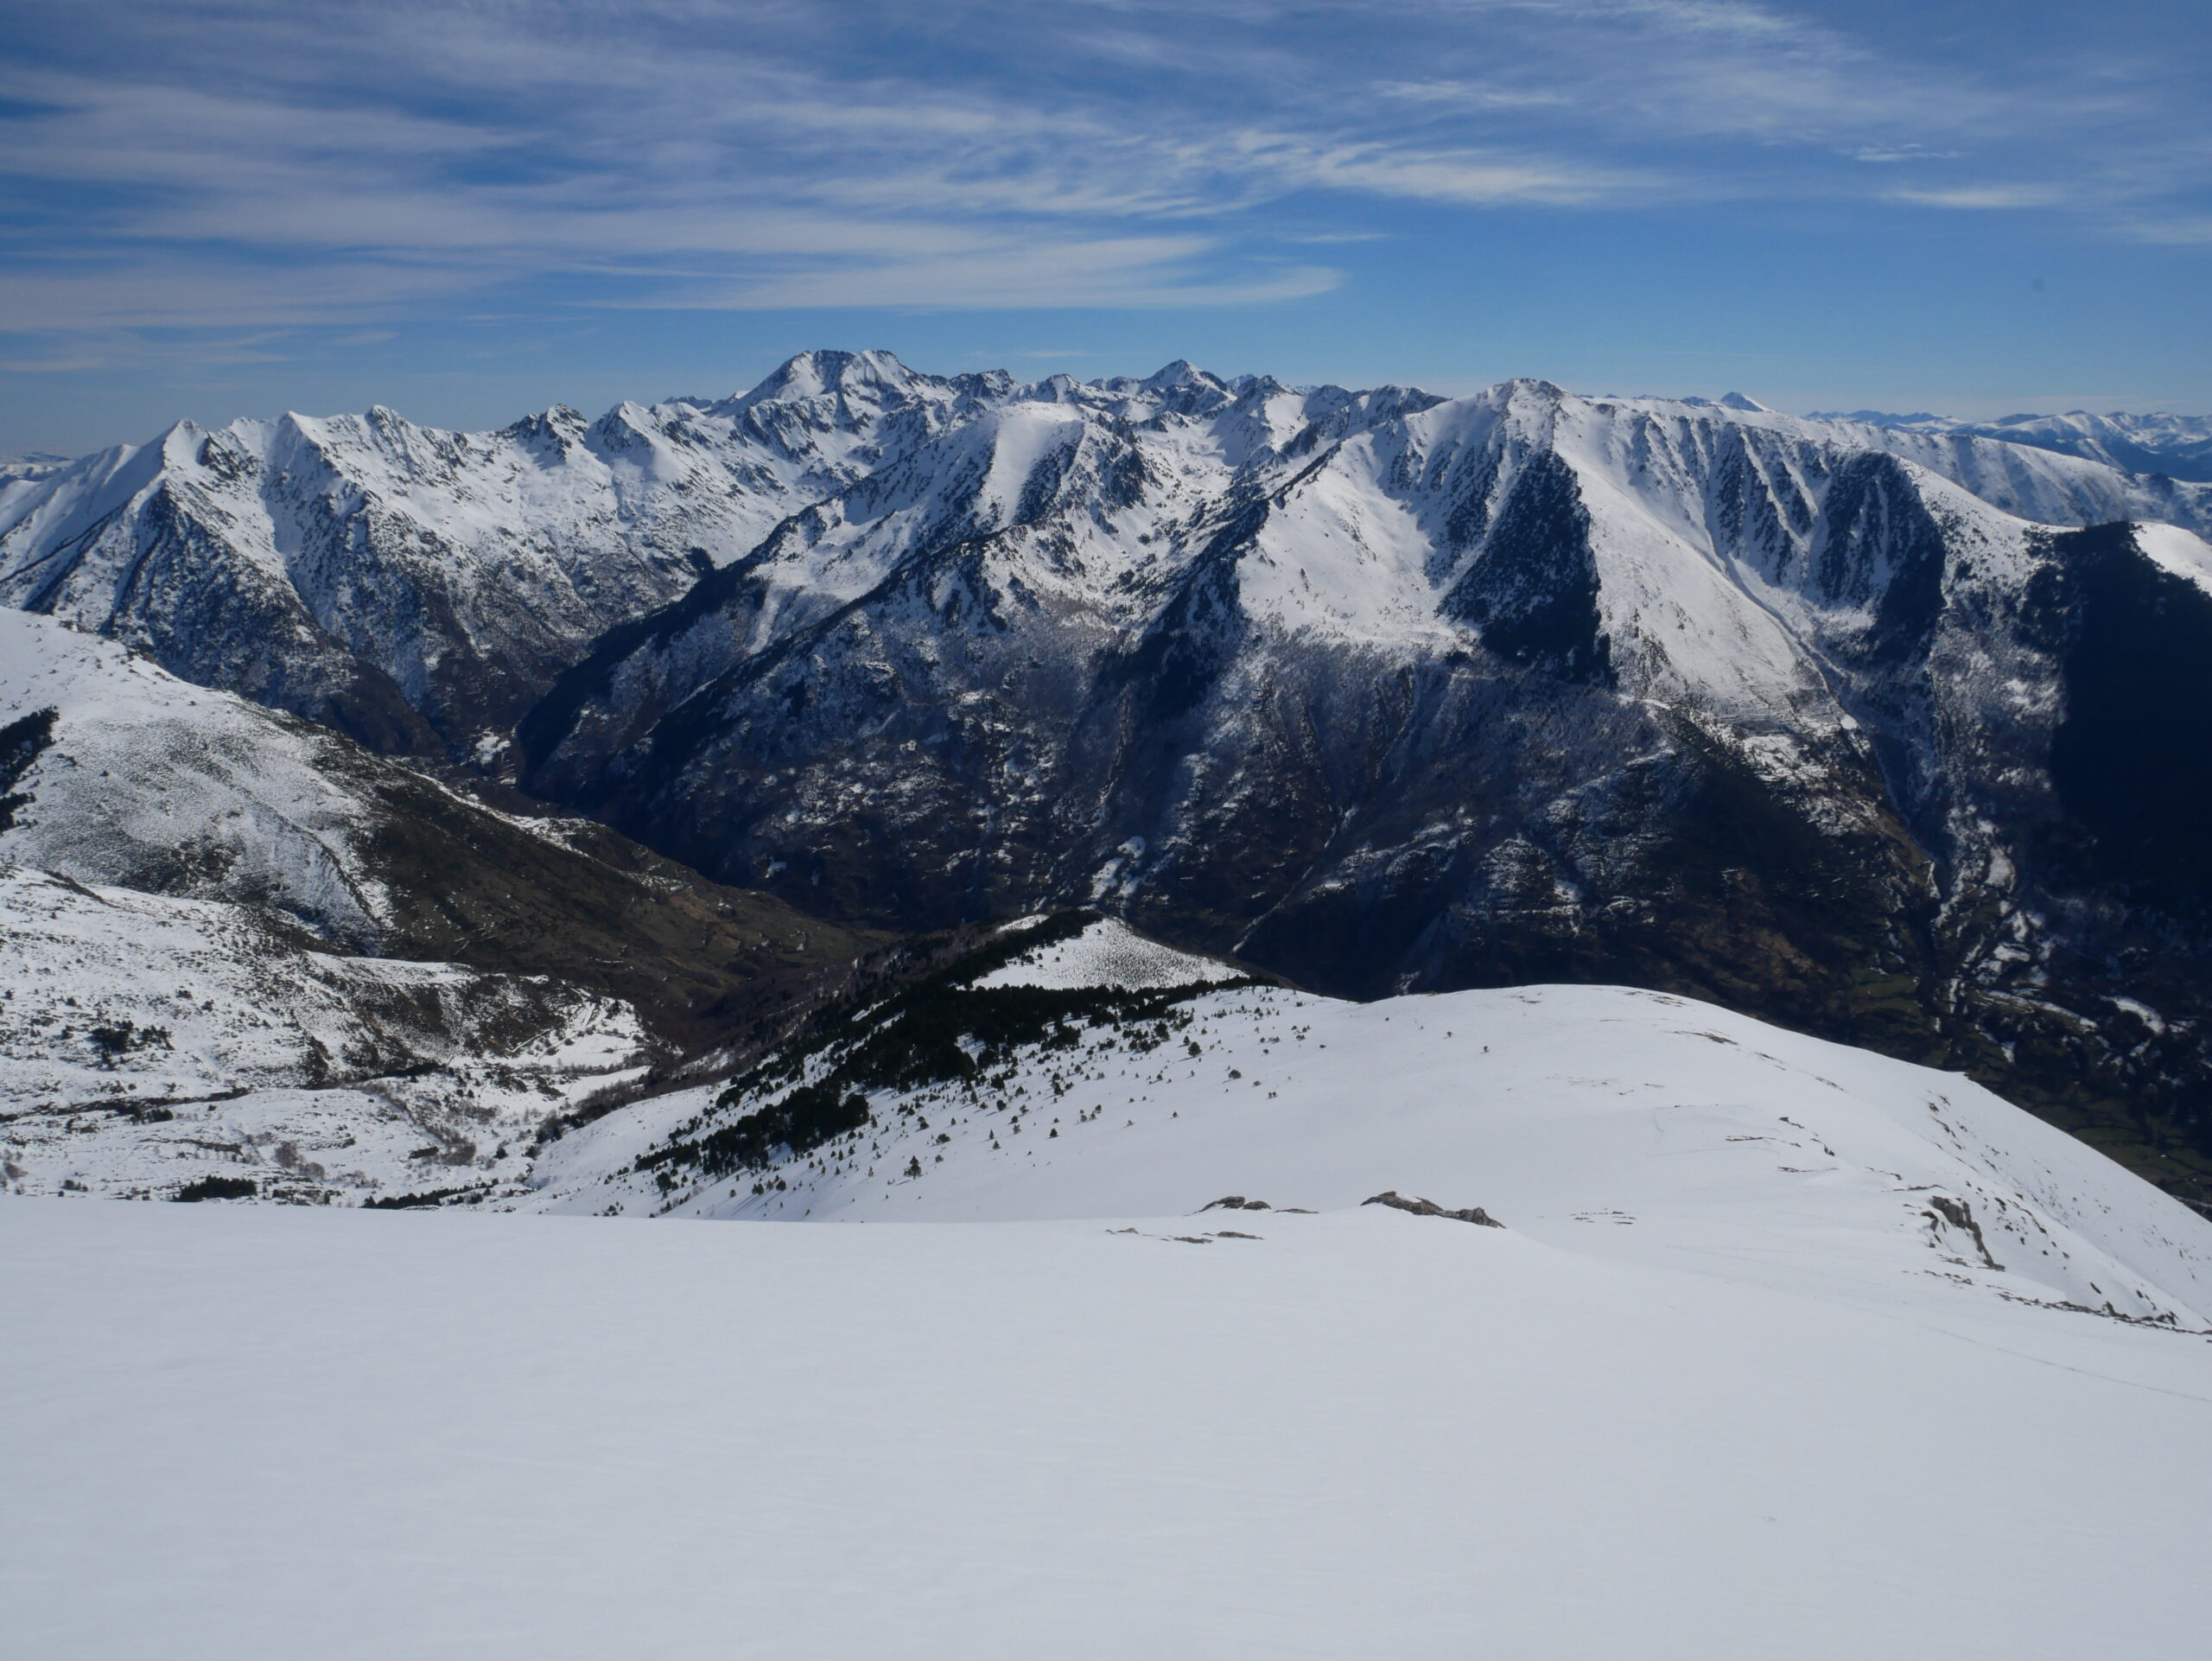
<point>560,423</point>
<point>1181,373</point>
<point>817,374</point>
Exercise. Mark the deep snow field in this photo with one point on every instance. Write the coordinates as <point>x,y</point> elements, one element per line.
<point>1736,1379</point>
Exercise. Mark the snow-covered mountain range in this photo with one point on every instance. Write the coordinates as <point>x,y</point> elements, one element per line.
<point>1868,730</point>
<point>2178,445</point>
<point>1886,731</point>
<point>417,588</point>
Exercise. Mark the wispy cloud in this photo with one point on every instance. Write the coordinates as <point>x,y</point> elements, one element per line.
<point>200,165</point>
<point>1985,196</point>
<point>2185,230</point>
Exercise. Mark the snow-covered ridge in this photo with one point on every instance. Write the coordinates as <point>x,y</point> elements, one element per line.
<point>1597,1118</point>
<point>2178,445</point>
<point>377,575</point>
<point>1106,953</point>
<point>419,587</point>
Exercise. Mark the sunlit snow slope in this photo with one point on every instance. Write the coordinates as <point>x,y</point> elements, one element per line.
<point>1599,1119</point>
<point>1736,1380</point>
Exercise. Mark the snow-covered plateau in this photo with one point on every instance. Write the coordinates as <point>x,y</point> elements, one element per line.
<point>1093,1350</point>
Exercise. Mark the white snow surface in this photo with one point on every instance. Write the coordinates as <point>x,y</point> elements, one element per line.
<point>2180,551</point>
<point>152,781</point>
<point>1727,1386</point>
<point>1687,1131</point>
<point>1108,953</point>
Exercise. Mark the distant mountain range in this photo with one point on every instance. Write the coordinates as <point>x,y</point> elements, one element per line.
<point>2177,445</point>
<point>1892,732</point>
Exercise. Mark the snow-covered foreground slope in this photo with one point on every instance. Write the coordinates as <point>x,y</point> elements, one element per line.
<point>1739,1376</point>
<point>263,1431</point>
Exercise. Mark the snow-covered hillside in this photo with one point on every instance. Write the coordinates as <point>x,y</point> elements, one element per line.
<point>112,771</point>
<point>1781,1349</point>
<point>128,775</point>
<point>1062,1086</point>
<point>225,930</point>
<point>160,1048</point>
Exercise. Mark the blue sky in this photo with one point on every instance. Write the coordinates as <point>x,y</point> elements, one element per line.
<point>466,211</point>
